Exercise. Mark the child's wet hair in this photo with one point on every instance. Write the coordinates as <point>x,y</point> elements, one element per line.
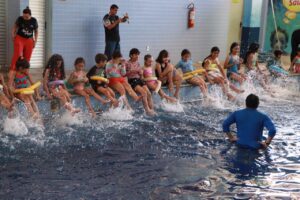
<point>162,54</point>
<point>134,51</point>
<point>277,53</point>
<point>117,54</point>
<point>100,58</point>
<point>22,63</point>
<point>147,56</point>
<point>52,64</point>
<point>233,45</point>
<point>79,60</point>
<point>185,52</point>
<point>214,49</point>
<point>253,47</point>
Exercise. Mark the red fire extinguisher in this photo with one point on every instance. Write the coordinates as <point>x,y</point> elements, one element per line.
<point>191,15</point>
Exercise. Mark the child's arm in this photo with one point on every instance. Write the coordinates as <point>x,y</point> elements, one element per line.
<point>226,63</point>
<point>11,76</point>
<point>292,65</point>
<point>158,68</point>
<point>221,69</point>
<point>45,84</point>
<point>71,79</point>
<point>123,69</point>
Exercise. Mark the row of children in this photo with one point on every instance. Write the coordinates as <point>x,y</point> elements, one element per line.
<point>121,76</point>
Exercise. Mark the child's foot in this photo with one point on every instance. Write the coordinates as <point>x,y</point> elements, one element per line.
<point>230,97</point>
<point>171,99</point>
<point>151,113</point>
<point>105,101</point>
<point>138,98</point>
<point>240,91</point>
<point>115,103</point>
<point>74,111</point>
<point>93,114</point>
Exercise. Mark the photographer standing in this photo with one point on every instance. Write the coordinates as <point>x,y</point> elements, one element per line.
<point>111,23</point>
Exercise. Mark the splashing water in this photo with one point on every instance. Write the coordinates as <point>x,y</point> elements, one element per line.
<point>120,113</point>
<point>15,126</point>
<point>171,107</point>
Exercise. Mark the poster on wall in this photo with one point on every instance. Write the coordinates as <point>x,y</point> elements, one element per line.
<point>287,16</point>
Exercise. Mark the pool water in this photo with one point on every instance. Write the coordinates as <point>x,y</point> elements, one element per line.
<point>179,154</point>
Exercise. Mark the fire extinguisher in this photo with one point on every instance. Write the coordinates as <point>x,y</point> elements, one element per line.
<point>191,15</point>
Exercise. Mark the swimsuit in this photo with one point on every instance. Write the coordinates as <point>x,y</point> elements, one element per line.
<point>163,67</point>
<point>297,65</point>
<point>213,70</point>
<point>21,81</point>
<point>133,70</point>
<point>148,73</point>
<point>115,73</point>
<point>233,60</point>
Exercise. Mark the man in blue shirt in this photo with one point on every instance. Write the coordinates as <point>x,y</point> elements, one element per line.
<point>250,124</point>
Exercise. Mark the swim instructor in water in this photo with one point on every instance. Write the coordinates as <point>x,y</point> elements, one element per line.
<point>250,124</point>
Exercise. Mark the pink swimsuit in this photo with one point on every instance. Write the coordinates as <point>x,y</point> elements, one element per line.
<point>148,73</point>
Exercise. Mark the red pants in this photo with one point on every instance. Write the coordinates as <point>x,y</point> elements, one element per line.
<point>22,47</point>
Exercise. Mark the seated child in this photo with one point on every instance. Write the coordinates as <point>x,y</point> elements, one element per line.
<point>216,73</point>
<point>4,86</point>
<point>134,75</point>
<point>82,86</point>
<point>54,75</point>
<point>20,80</point>
<point>101,86</point>
<point>233,63</point>
<point>4,101</point>
<point>186,65</point>
<point>295,65</point>
<point>275,65</point>
<point>166,73</point>
<point>151,81</point>
<point>115,72</point>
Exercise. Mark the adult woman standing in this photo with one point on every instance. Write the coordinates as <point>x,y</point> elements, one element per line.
<point>24,36</point>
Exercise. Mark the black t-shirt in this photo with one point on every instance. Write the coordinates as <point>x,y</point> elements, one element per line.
<point>26,27</point>
<point>112,34</point>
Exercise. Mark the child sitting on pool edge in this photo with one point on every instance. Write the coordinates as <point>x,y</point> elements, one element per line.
<point>186,65</point>
<point>54,86</point>
<point>20,80</point>
<point>275,65</point>
<point>151,81</point>
<point>82,86</point>
<point>101,86</point>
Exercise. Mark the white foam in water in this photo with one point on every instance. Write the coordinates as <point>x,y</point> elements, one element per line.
<point>68,119</point>
<point>171,107</point>
<point>15,126</point>
<point>121,113</point>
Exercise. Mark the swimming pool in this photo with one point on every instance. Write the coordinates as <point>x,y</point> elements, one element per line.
<point>179,154</point>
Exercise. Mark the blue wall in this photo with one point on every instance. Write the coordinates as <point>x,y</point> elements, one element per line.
<point>161,24</point>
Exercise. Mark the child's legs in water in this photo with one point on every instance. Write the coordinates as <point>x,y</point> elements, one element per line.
<point>197,81</point>
<point>130,91</point>
<point>87,100</point>
<point>4,101</point>
<point>237,77</point>
<point>178,81</point>
<point>121,90</point>
<point>90,91</point>
<point>27,101</point>
<point>143,93</point>
<point>149,97</point>
<point>108,93</point>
